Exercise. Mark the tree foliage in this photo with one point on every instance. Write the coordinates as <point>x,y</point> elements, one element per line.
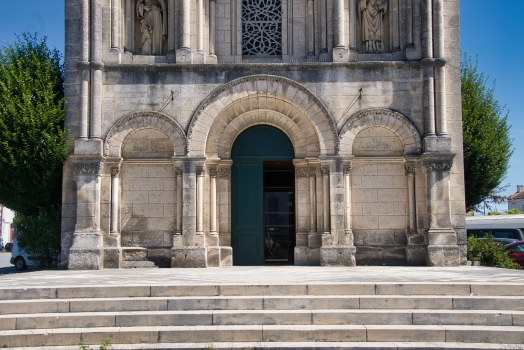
<point>32,136</point>
<point>490,252</point>
<point>487,144</point>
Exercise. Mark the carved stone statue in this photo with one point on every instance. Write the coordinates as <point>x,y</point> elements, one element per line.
<point>153,25</point>
<point>372,20</point>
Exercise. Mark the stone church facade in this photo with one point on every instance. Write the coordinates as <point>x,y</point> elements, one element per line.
<point>249,132</point>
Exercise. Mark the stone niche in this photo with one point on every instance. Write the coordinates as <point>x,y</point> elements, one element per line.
<point>148,197</point>
<point>379,198</point>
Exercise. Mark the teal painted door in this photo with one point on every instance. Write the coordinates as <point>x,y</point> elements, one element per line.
<point>251,148</point>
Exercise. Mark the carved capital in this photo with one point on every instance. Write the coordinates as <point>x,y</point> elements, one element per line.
<point>347,169</point>
<point>213,171</point>
<point>301,172</point>
<point>178,171</point>
<point>325,169</point>
<point>89,168</point>
<point>223,172</point>
<point>438,165</point>
<point>410,169</point>
<point>115,171</point>
<point>199,170</point>
<point>312,171</point>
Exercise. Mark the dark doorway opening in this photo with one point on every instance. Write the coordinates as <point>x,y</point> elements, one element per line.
<point>279,212</point>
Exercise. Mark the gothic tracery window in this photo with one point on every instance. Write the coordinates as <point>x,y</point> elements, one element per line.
<point>261,27</point>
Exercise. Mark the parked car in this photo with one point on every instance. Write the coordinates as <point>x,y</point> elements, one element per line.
<point>19,258</point>
<point>509,233</point>
<point>8,246</point>
<point>516,251</point>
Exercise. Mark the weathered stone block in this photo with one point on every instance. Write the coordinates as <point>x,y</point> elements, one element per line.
<point>189,257</point>
<point>337,256</point>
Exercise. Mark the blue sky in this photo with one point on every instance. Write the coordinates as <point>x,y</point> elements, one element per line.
<point>493,32</point>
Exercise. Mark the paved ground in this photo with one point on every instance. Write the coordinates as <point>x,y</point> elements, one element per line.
<point>264,275</point>
<point>5,265</point>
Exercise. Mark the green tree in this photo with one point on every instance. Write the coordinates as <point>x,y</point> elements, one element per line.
<point>487,144</point>
<point>32,136</point>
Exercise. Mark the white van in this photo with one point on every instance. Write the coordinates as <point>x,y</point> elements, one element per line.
<point>19,258</point>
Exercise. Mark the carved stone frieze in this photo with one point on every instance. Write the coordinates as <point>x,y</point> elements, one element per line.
<point>223,172</point>
<point>262,77</point>
<point>89,168</point>
<point>115,171</point>
<point>301,172</point>
<point>139,120</point>
<point>438,165</point>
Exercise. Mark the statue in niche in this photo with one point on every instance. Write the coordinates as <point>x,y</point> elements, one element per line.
<point>153,25</point>
<point>372,20</point>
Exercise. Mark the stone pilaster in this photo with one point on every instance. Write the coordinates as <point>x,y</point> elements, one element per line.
<point>86,253</point>
<point>415,247</point>
<point>184,54</point>
<point>442,247</point>
<point>302,211</point>
<point>224,212</point>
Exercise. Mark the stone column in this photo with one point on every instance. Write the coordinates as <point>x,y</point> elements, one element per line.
<point>340,51</point>
<point>171,27</point>
<point>353,30</point>
<point>427,32</point>
<point>96,74</point>
<point>224,199</point>
<point>179,200</point>
<point>442,249</point>
<point>115,196</point>
<point>415,250</point>
<point>311,27</point>
<point>411,51</point>
<point>130,16</point>
<point>212,26</point>
<point>199,170</point>
<point>326,227</point>
<point>86,253</point>
<point>184,55</point>
<point>85,75</point>
<point>112,248</point>
<point>440,71</point>
<point>302,212</point>
<point>314,239</point>
<point>323,27</point>
<point>189,248</point>
<point>115,11</point>
<point>347,199</point>
<point>429,101</point>
<point>212,243</point>
<point>200,54</point>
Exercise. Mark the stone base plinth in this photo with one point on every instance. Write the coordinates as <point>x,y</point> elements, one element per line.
<point>415,255</point>
<point>213,256</point>
<point>338,256</point>
<point>313,256</point>
<point>226,256</point>
<point>189,257</point>
<point>340,54</point>
<point>301,256</point>
<point>112,257</point>
<point>437,144</point>
<point>184,56</point>
<point>89,148</point>
<point>85,259</point>
<point>443,255</point>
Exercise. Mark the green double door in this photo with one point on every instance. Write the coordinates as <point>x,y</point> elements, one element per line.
<point>251,149</point>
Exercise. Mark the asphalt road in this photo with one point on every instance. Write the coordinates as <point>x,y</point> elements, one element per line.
<point>5,265</point>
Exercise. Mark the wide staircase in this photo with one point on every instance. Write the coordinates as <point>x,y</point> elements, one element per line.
<point>312,316</point>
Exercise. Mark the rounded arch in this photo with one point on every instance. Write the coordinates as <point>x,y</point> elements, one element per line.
<point>262,141</point>
<point>290,100</point>
<point>135,121</point>
<point>386,118</point>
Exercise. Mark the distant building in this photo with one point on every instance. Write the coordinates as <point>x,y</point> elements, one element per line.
<point>517,200</point>
<point>6,223</point>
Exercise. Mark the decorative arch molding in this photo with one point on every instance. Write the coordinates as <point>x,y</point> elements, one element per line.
<point>136,121</point>
<point>222,146</point>
<point>386,118</point>
<point>263,92</point>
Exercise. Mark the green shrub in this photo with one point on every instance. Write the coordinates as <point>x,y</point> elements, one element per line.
<point>494,213</point>
<point>513,211</point>
<point>39,236</point>
<point>490,252</point>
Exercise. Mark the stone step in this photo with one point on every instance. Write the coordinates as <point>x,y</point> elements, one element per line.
<point>138,264</point>
<point>260,290</point>
<point>260,317</point>
<point>295,346</point>
<point>260,303</point>
<point>263,333</point>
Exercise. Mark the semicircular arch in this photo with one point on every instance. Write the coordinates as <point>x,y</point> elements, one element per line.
<point>401,126</point>
<point>262,92</point>
<point>136,121</point>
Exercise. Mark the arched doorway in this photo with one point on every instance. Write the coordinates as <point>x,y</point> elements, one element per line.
<point>262,197</point>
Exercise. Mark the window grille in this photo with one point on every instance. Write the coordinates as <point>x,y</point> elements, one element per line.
<point>261,27</point>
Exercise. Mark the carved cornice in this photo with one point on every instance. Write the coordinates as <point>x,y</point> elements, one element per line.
<point>89,168</point>
<point>301,172</point>
<point>347,168</point>
<point>273,78</point>
<point>312,171</point>
<point>115,171</point>
<point>324,169</point>
<point>223,172</point>
<point>142,116</point>
<point>350,123</point>
<point>410,169</point>
<point>438,165</point>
